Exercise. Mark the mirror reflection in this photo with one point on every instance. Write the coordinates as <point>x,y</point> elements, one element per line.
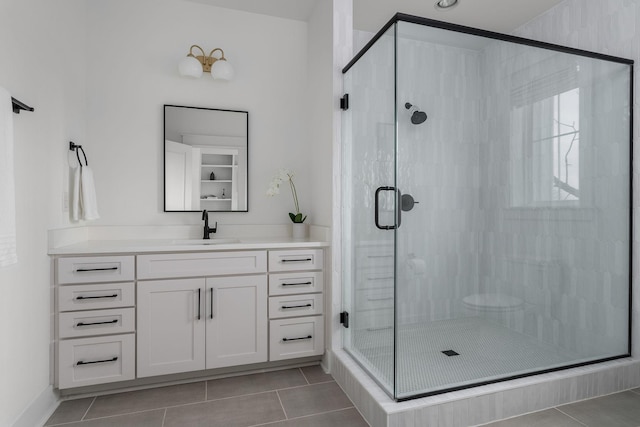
<point>205,159</point>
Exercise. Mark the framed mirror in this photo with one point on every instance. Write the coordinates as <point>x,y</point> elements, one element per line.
<point>205,159</point>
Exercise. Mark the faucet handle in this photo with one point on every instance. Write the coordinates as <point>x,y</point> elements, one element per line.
<point>215,228</point>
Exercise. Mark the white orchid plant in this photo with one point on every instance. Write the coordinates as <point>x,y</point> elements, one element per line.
<point>274,188</point>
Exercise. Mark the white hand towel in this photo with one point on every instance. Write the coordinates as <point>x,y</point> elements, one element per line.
<point>75,195</point>
<point>8,254</point>
<point>88,199</point>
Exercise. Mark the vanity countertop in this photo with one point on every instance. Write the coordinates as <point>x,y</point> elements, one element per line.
<point>182,245</point>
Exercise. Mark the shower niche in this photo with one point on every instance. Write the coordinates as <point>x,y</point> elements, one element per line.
<point>514,258</point>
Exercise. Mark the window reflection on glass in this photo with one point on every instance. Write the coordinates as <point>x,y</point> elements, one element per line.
<point>545,151</point>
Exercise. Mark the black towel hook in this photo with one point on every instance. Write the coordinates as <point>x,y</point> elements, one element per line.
<point>73,146</point>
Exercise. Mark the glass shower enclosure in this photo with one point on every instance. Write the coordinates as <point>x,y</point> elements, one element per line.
<point>486,207</point>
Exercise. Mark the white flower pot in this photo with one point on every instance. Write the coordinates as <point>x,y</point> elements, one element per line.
<point>299,231</point>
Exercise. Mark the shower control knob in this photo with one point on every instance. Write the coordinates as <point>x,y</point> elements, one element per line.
<point>407,202</point>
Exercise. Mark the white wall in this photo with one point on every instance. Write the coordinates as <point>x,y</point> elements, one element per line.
<point>134,48</point>
<point>320,106</point>
<point>107,69</point>
<point>42,46</point>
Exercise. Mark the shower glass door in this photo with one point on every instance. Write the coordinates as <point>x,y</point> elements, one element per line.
<point>512,250</point>
<point>368,211</point>
<point>486,207</point>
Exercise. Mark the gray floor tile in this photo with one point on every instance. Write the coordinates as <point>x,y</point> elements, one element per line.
<point>548,418</point>
<point>313,399</point>
<point>315,374</point>
<point>240,411</point>
<point>256,383</point>
<point>142,400</point>
<point>70,410</point>
<point>140,419</point>
<point>344,417</point>
<point>620,410</point>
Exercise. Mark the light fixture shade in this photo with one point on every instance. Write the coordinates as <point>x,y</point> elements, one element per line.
<point>446,4</point>
<point>222,70</point>
<point>190,67</point>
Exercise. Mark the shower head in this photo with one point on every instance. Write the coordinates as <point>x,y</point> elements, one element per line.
<point>417,116</point>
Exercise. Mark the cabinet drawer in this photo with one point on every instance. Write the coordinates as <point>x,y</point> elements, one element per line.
<point>96,322</point>
<point>95,269</point>
<point>162,266</point>
<point>297,337</point>
<point>374,298</point>
<point>374,278</point>
<point>295,305</point>
<point>381,255</point>
<point>86,361</point>
<point>296,260</point>
<point>295,283</point>
<point>90,297</point>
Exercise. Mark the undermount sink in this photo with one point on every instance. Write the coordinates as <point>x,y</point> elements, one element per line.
<point>204,241</point>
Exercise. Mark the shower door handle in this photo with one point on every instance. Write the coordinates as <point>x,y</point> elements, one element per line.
<point>377,208</point>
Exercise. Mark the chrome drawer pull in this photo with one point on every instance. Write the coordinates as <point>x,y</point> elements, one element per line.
<point>297,260</point>
<point>97,323</point>
<point>84,270</point>
<point>380,278</point>
<point>379,256</point>
<point>285,307</point>
<point>308,337</point>
<point>82,362</point>
<point>379,299</point>
<point>97,297</point>
<point>297,284</point>
<point>382,328</point>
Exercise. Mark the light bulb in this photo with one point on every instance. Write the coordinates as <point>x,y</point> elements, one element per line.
<point>190,67</point>
<point>222,70</point>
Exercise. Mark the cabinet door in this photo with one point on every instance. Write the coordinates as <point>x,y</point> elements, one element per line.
<point>236,320</point>
<point>171,326</point>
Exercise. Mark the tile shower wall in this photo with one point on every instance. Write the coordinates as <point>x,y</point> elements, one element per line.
<point>567,263</point>
<point>608,27</point>
<point>438,164</point>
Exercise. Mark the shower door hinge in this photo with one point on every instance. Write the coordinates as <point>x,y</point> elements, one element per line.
<point>344,319</point>
<point>344,102</point>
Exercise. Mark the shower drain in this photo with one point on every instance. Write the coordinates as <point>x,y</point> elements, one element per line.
<point>450,353</point>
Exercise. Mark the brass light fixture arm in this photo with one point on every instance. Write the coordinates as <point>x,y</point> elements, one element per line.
<point>206,60</point>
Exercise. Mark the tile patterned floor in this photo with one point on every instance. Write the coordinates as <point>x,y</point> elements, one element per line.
<point>305,397</point>
<point>615,410</point>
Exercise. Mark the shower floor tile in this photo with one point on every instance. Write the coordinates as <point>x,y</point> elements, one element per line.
<point>485,351</point>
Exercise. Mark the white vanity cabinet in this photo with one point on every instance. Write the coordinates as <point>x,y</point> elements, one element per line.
<point>296,304</point>
<point>146,314</point>
<point>95,320</point>
<point>214,321</point>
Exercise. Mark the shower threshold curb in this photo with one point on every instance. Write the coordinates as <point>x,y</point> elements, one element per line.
<point>486,403</point>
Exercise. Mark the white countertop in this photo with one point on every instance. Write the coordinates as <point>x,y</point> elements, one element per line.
<point>182,245</point>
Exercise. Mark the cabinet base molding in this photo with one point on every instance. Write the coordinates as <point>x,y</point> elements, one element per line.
<point>187,377</point>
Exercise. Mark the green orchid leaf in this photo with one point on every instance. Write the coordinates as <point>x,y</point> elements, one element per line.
<point>292,216</point>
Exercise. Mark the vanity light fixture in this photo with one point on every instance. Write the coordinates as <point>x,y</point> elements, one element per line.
<point>445,4</point>
<point>193,66</point>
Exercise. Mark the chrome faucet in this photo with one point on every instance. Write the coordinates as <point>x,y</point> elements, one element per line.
<point>207,230</point>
